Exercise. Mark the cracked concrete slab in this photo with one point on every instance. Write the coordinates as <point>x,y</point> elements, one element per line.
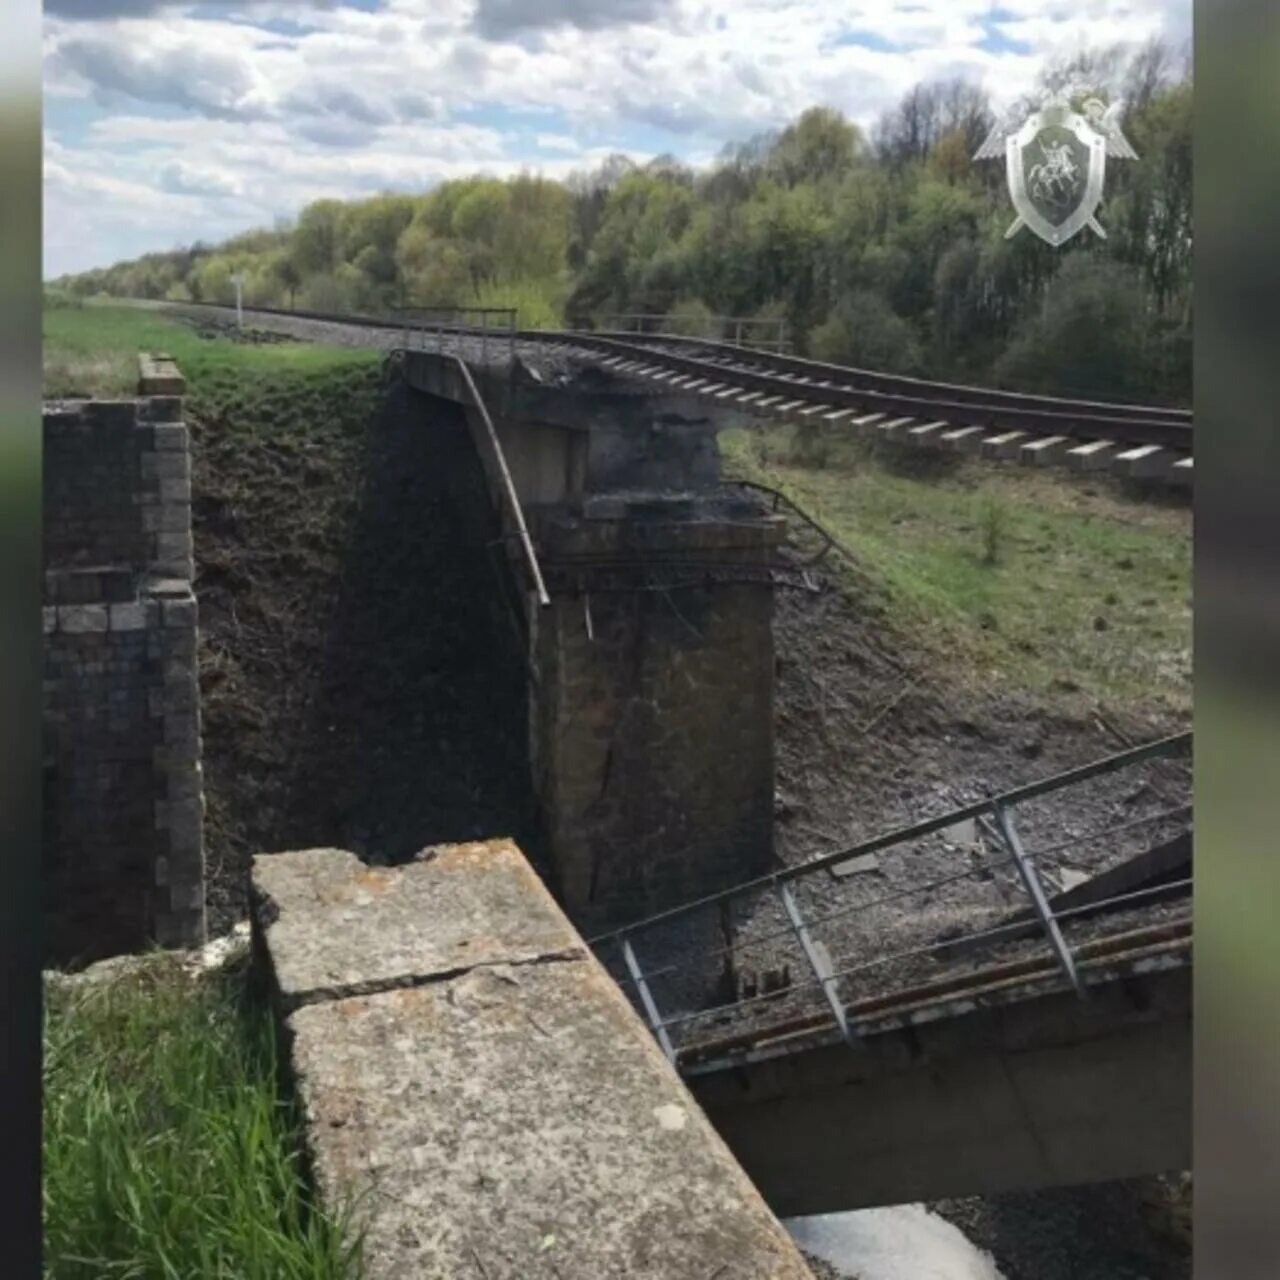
<point>336,927</point>
<point>506,1117</point>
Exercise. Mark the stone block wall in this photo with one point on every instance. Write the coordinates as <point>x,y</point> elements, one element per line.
<point>653,716</point>
<point>123,801</point>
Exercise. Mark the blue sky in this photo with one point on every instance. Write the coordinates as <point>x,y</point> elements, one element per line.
<point>168,122</point>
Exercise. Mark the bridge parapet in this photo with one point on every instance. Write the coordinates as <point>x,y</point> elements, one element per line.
<point>478,1088</point>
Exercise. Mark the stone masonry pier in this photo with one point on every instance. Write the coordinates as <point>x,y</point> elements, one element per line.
<point>478,1089</point>
<point>123,792</point>
<point>651,686</point>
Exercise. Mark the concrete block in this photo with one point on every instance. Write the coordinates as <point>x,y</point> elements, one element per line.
<point>177,491</point>
<point>128,617</point>
<point>162,409</point>
<point>171,437</point>
<point>174,516</point>
<point>454,1063</point>
<point>186,818</point>
<point>103,414</point>
<point>79,619</point>
<point>49,619</point>
<point>180,728</point>
<point>180,614</point>
<point>158,375</point>
<point>186,897</point>
<point>164,466</point>
<point>174,545</point>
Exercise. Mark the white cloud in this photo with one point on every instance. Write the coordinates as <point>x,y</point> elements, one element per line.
<point>498,19</point>
<point>332,100</point>
<point>185,179</point>
<point>557,142</point>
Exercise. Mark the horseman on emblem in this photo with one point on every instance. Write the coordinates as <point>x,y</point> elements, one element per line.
<point>1056,163</point>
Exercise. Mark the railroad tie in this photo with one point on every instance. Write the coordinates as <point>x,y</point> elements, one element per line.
<point>1093,456</point>
<point>925,432</point>
<point>893,425</point>
<point>964,439</point>
<point>1039,452</point>
<point>1146,462</point>
<point>1004,445</point>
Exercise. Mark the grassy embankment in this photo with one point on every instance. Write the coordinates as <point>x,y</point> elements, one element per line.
<point>1001,576</point>
<point>168,1152</point>
<point>92,350</point>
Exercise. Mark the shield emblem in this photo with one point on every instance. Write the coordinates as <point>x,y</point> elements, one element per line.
<point>1056,164</point>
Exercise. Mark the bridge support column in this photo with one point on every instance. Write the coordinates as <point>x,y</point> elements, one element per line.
<point>652,722</point>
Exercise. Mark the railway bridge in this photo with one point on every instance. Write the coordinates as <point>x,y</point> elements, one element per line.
<point>848,1055</point>
<point>949,1007</point>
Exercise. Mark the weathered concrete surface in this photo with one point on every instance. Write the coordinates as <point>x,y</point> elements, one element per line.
<point>503,1116</point>
<point>336,927</point>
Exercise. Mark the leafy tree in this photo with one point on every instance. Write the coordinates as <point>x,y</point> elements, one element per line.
<point>317,238</point>
<point>891,254</point>
<point>821,144</point>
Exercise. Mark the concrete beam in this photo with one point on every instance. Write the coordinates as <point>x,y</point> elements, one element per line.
<point>479,1090</point>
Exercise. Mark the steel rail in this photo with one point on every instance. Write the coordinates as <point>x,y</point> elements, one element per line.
<point>871,379</point>
<point>846,387</point>
<point>993,413</point>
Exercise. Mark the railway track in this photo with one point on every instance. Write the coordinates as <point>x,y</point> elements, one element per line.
<point>1135,442</point>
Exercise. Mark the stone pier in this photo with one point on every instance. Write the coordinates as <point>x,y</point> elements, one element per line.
<point>123,800</point>
<point>651,670</point>
<point>653,718</point>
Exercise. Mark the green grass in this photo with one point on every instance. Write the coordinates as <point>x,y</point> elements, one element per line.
<point>1008,576</point>
<point>93,351</point>
<point>167,1151</point>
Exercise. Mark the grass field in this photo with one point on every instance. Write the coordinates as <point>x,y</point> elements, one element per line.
<point>93,350</point>
<point>167,1151</point>
<point>1004,575</point>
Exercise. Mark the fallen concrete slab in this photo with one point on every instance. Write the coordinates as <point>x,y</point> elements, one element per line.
<point>478,1089</point>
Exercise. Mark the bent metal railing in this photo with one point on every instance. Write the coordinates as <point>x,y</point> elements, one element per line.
<point>994,817</point>
<point>495,464</point>
<point>514,509</point>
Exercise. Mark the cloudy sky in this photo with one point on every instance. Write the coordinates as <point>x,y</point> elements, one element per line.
<point>168,121</point>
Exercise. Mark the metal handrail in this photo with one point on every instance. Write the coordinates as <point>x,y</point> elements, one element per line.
<point>825,974</point>
<point>1173,745</point>
<point>508,485</point>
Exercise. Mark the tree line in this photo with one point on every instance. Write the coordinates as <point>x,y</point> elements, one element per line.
<point>884,249</point>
